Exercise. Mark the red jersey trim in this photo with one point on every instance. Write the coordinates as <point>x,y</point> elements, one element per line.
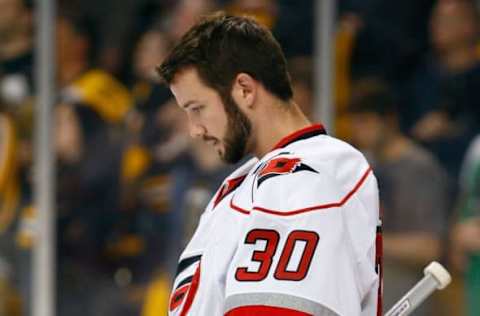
<point>192,291</point>
<point>290,138</point>
<point>174,300</point>
<point>379,268</point>
<point>228,187</point>
<point>238,208</point>
<point>318,207</point>
<point>260,310</point>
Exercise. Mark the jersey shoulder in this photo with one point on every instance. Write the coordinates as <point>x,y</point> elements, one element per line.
<point>321,172</point>
<point>232,182</point>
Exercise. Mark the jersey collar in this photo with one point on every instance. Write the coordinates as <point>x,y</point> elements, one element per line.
<point>304,133</point>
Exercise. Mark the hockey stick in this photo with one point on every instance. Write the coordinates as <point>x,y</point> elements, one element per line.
<point>436,277</point>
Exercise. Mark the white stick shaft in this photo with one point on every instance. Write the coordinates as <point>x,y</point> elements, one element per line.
<point>424,288</point>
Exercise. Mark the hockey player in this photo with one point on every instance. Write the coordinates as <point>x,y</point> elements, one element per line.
<point>293,230</point>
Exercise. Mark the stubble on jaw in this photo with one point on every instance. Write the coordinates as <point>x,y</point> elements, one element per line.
<point>238,133</point>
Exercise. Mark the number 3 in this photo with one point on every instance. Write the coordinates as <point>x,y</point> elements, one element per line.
<point>264,257</point>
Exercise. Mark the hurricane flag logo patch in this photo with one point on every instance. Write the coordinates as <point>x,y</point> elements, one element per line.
<point>281,165</point>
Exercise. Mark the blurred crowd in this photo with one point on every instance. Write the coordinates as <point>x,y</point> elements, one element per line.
<point>131,183</point>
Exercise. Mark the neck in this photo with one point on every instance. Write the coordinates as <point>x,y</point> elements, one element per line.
<point>277,120</point>
<point>459,59</point>
<point>15,47</point>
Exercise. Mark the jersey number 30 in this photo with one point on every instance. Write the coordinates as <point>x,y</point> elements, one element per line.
<point>265,257</point>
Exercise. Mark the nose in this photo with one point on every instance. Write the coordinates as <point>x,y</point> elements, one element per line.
<point>196,130</point>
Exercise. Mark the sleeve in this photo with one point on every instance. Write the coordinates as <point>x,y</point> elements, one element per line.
<point>300,255</point>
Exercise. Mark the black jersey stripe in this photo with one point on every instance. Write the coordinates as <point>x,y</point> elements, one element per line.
<point>184,281</point>
<point>185,263</point>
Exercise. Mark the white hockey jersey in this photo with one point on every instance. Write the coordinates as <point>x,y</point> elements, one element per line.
<point>291,234</point>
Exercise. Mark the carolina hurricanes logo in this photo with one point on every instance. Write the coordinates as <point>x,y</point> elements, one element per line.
<point>281,165</point>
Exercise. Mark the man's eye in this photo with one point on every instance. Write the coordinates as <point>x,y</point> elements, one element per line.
<point>197,109</point>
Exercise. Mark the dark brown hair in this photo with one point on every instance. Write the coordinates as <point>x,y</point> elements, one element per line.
<point>221,46</point>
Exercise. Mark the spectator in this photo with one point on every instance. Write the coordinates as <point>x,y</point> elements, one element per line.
<point>92,106</point>
<point>185,14</point>
<point>117,26</point>
<point>294,26</point>
<point>148,95</point>
<point>149,208</point>
<point>301,74</point>
<point>170,189</point>
<point>151,49</point>
<point>392,39</point>
<point>177,184</point>
<point>465,235</point>
<point>292,22</point>
<point>412,188</point>
<point>443,111</point>
<point>9,207</point>
<point>16,55</point>
<point>161,179</point>
<point>348,27</point>
<point>263,11</point>
<point>16,82</point>
<point>9,189</point>
<point>152,149</point>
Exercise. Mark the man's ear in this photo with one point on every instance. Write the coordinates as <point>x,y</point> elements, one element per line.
<point>244,90</point>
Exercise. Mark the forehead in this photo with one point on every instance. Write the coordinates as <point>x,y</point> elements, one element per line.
<point>187,86</point>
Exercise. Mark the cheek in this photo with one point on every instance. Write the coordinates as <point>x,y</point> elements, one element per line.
<point>217,123</point>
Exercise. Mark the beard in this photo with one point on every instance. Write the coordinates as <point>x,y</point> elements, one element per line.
<point>238,132</point>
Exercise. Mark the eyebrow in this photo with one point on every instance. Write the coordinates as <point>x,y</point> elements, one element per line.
<point>187,104</point>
